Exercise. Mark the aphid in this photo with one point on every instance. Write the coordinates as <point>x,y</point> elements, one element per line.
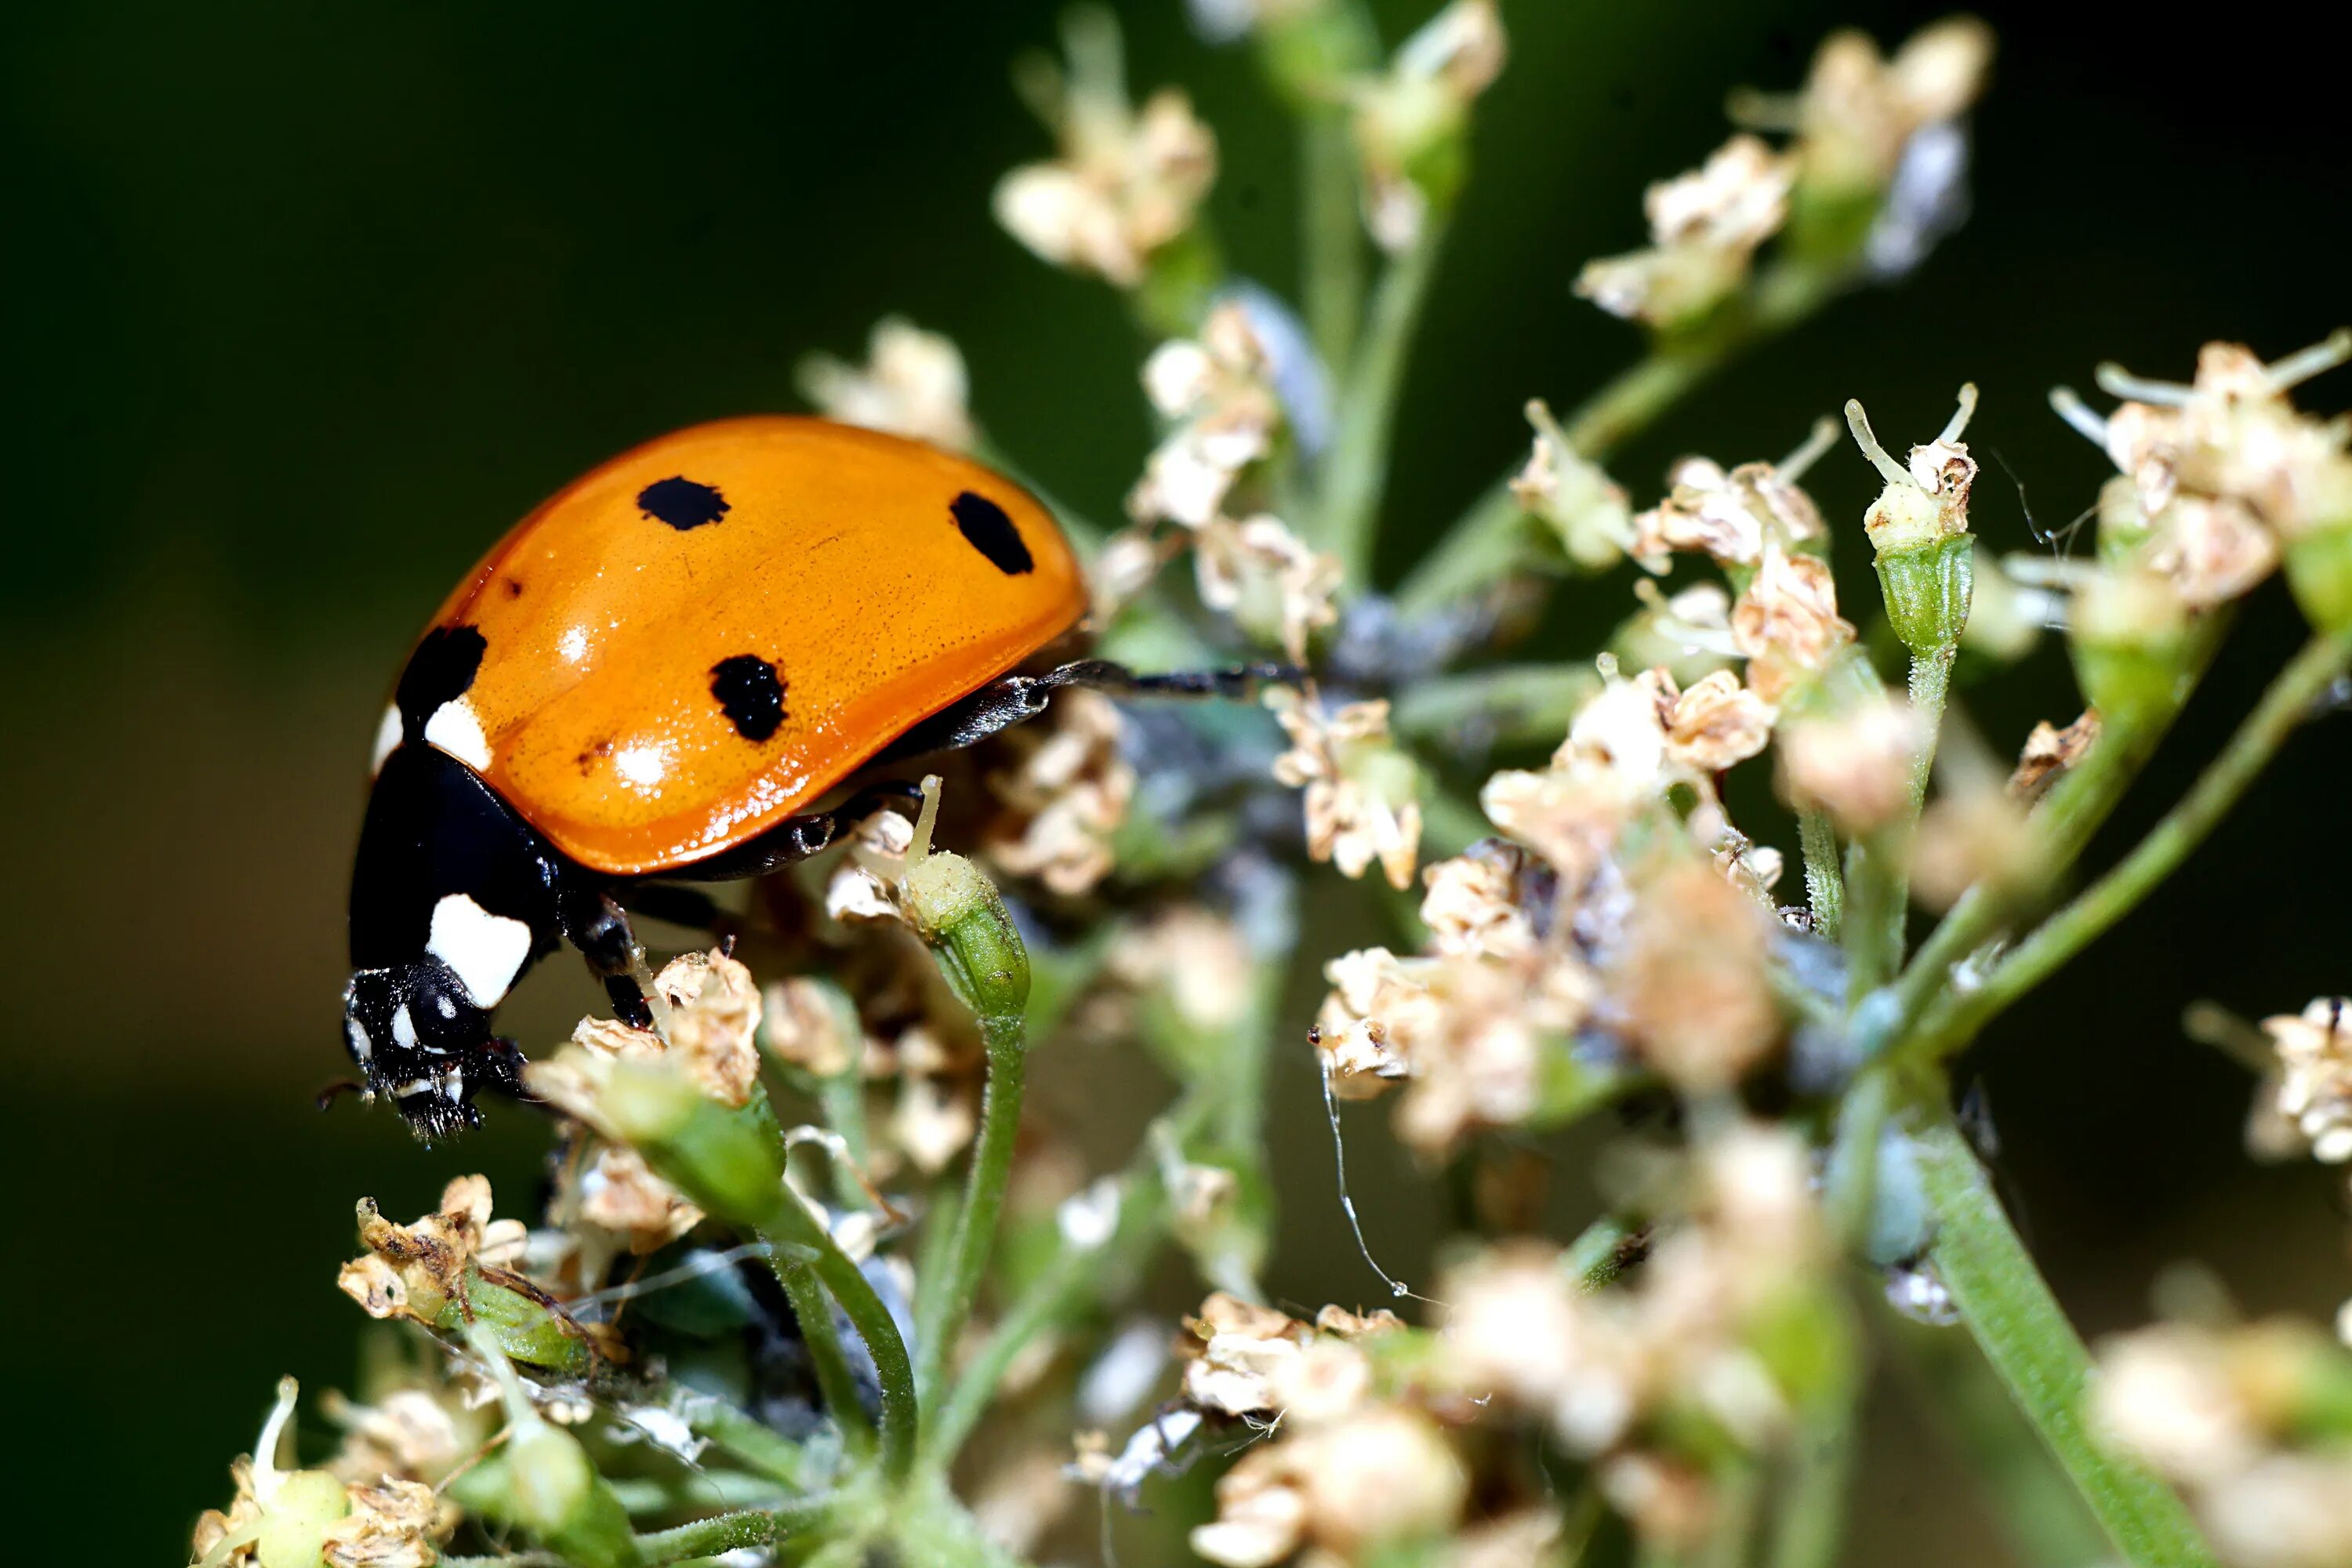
<point>657,677</point>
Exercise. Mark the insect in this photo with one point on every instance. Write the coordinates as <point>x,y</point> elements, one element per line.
<point>656,678</point>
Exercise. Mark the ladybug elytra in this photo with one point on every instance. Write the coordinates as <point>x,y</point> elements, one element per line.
<point>657,677</point>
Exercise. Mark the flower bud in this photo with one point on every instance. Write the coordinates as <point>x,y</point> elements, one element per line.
<point>560,1497</point>
<point>2319,569</point>
<point>294,1518</point>
<point>2129,642</point>
<point>1919,528</point>
<point>960,916</point>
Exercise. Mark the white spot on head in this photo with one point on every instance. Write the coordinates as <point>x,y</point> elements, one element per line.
<point>404,1029</point>
<point>456,729</point>
<point>486,951</point>
<point>574,644</point>
<point>387,736</point>
<point>362,1049</point>
<point>642,765</point>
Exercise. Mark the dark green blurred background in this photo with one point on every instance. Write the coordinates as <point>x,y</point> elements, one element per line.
<point>306,303</point>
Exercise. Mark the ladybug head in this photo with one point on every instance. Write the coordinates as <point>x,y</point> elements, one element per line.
<point>416,1034</point>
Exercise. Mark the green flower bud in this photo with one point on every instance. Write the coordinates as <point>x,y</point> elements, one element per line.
<point>2123,526</point>
<point>961,917</point>
<point>2129,642</point>
<point>1929,591</point>
<point>2319,569</point>
<point>559,1497</point>
<point>1919,528</point>
<point>294,1518</point>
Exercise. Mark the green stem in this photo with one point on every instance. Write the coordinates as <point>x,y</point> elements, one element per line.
<point>2077,805</point>
<point>1491,539</point>
<point>1811,1521</point>
<point>1074,1278</point>
<point>1357,469</point>
<point>984,1195</point>
<point>2026,1337</point>
<point>790,1231</point>
<point>836,1384</point>
<point>2224,782</point>
<point>729,1532</point>
<point>2044,1518</point>
<point>751,1443</point>
<point>1875,939</point>
<point>1331,240</point>
<point>1824,884</point>
<point>1854,1157</point>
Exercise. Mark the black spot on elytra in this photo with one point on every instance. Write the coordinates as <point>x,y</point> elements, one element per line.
<point>987,530</point>
<point>441,669</point>
<point>513,586</point>
<point>681,502</point>
<point>750,693</point>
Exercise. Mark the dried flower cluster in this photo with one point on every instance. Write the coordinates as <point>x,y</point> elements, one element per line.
<point>2250,1423</point>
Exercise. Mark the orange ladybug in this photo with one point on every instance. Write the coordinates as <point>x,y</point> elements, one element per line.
<point>657,676</point>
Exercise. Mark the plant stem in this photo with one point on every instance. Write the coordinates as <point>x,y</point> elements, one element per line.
<point>1875,937</point>
<point>1853,1158</point>
<point>1068,1281</point>
<point>758,1446</point>
<point>2075,807</point>
<point>2283,709</point>
<point>1825,883</point>
<point>791,1230</point>
<point>2044,1518</point>
<point>1331,241</point>
<point>1490,538</point>
<point>2026,1337</point>
<point>1006,1036</point>
<point>1811,1521</point>
<point>1356,469</point>
<point>729,1532</point>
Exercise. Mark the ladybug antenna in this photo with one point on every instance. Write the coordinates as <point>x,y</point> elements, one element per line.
<point>925,820</point>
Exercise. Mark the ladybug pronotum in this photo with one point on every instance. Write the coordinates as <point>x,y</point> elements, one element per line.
<point>660,677</point>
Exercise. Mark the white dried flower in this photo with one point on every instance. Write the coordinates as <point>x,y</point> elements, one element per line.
<point>1855,765</point>
<point>2314,1077</point>
<point>912,384</point>
<point>2170,1394</point>
<point>1860,111</point>
<point>1360,788</point>
<point>1267,579</point>
<point>1728,517</point>
<point>1411,118</point>
<point>1472,906</point>
<point>1126,183</point>
<point>1786,622</point>
<point>1704,226</point>
<point>1223,415</point>
<point>1378,1007</point>
<point>1715,724</point>
<point>1573,496</point>
<point>1068,798</point>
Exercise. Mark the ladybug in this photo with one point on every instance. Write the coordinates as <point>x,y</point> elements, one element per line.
<point>658,677</point>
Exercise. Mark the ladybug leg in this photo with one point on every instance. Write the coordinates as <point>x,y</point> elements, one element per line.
<point>676,905</point>
<point>1014,698</point>
<point>596,924</point>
